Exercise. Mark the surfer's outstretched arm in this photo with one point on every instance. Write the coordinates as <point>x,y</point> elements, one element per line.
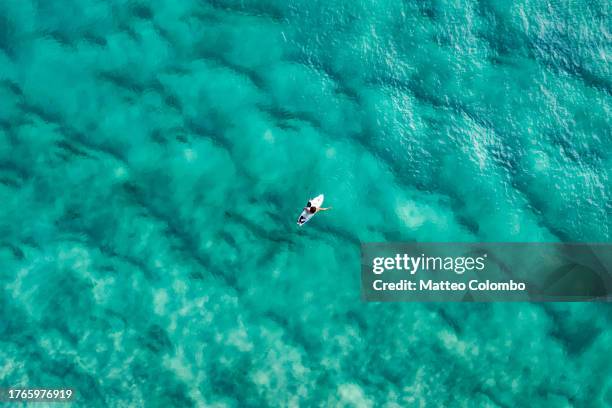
<point>325,209</point>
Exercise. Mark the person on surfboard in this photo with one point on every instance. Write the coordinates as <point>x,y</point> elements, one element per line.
<point>312,209</point>
<point>313,206</point>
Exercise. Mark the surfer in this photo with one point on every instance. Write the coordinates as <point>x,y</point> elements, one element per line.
<point>312,209</point>
<point>313,206</point>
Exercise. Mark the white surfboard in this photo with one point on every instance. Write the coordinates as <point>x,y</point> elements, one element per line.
<point>305,215</point>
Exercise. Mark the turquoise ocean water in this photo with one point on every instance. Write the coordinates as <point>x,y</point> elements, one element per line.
<point>154,157</point>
